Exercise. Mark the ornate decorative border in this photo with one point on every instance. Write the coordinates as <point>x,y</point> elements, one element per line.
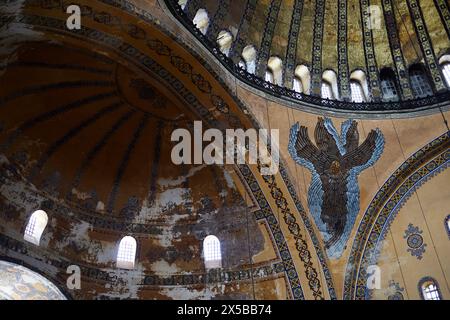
<point>316,61</point>
<point>416,170</point>
<point>444,13</point>
<point>343,72</point>
<point>291,52</point>
<point>266,42</point>
<point>396,49</point>
<point>373,78</point>
<point>239,43</point>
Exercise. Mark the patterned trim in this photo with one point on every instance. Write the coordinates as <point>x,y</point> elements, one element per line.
<point>316,64</point>
<point>396,49</point>
<point>266,42</point>
<point>426,279</point>
<point>416,170</point>
<point>217,20</point>
<point>289,66</point>
<point>312,233</point>
<point>241,38</point>
<point>425,44</point>
<point>444,13</point>
<point>295,230</point>
<point>369,52</point>
<point>267,213</point>
<point>343,73</point>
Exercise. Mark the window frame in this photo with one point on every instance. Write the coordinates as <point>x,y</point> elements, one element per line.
<point>34,229</point>
<point>430,281</point>
<point>212,260</point>
<point>122,263</point>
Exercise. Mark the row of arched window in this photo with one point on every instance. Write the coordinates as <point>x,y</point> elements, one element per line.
<point>126,254</point>
<point>420,81</point>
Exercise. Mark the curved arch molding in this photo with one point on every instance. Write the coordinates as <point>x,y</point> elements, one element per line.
<point>426,163</point>
<point>156,53</point>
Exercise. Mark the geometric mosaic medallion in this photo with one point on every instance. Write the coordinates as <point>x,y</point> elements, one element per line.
<point>414,240</point>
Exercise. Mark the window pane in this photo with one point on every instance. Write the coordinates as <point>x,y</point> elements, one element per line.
<point>269,76</point>
<point>127,253</point>
<point>298,85</point>
<point>420,85</point>
<point>389,90</point>
<point>446,72</point>
<point>326,91</point>
<point>211,252</point>
<point>357,92</point>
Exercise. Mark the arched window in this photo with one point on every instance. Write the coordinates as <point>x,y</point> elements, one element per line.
<point>326,91</point>
<point>446,72</point>
<point>275,65</point>
<point>224,40</point>
<point>269,76</point>
<point>35,227</point>
<point>298,87</point>
<point>357,91</point>
<point>388,85</point>
<point>444,62</point>
<point>447,225</point>
<point>201,20</point>
<point>126,254</point>
<point>303,75</point>
<point>420,83</point>
<point>329,88</point>
<point>429,289</point>
<point>182,3</point>
<point>249,56</point>
<point>212,253</point>
<point>359,86</point>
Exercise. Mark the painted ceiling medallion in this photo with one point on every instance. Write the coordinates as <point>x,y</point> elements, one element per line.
<point>335,163</point>
<point>414,240</point>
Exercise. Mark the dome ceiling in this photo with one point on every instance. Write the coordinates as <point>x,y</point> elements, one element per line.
<point>96,134</point>
<point>345,37</point>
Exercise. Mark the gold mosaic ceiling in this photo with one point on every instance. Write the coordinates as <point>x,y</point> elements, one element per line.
<point>340,35</point>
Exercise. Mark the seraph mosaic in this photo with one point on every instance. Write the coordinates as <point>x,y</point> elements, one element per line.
<point>335,161</point>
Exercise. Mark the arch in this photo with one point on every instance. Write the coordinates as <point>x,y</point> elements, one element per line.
<point>420,82</point>
<point>33,286</point>
<point>224,40</point>
<point>275,65</point>
<point>303,74</point>
<point>249,56</point>
<point>429,289</point>
<point>426,163</point>
<point>201,20</point>
<point>389,87</point>
<point>35,227</point>
<point>444,62</point>
<point>212,252</point>
<point>126,255</point>
<point>359,86</point>
<point>329,87</point>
